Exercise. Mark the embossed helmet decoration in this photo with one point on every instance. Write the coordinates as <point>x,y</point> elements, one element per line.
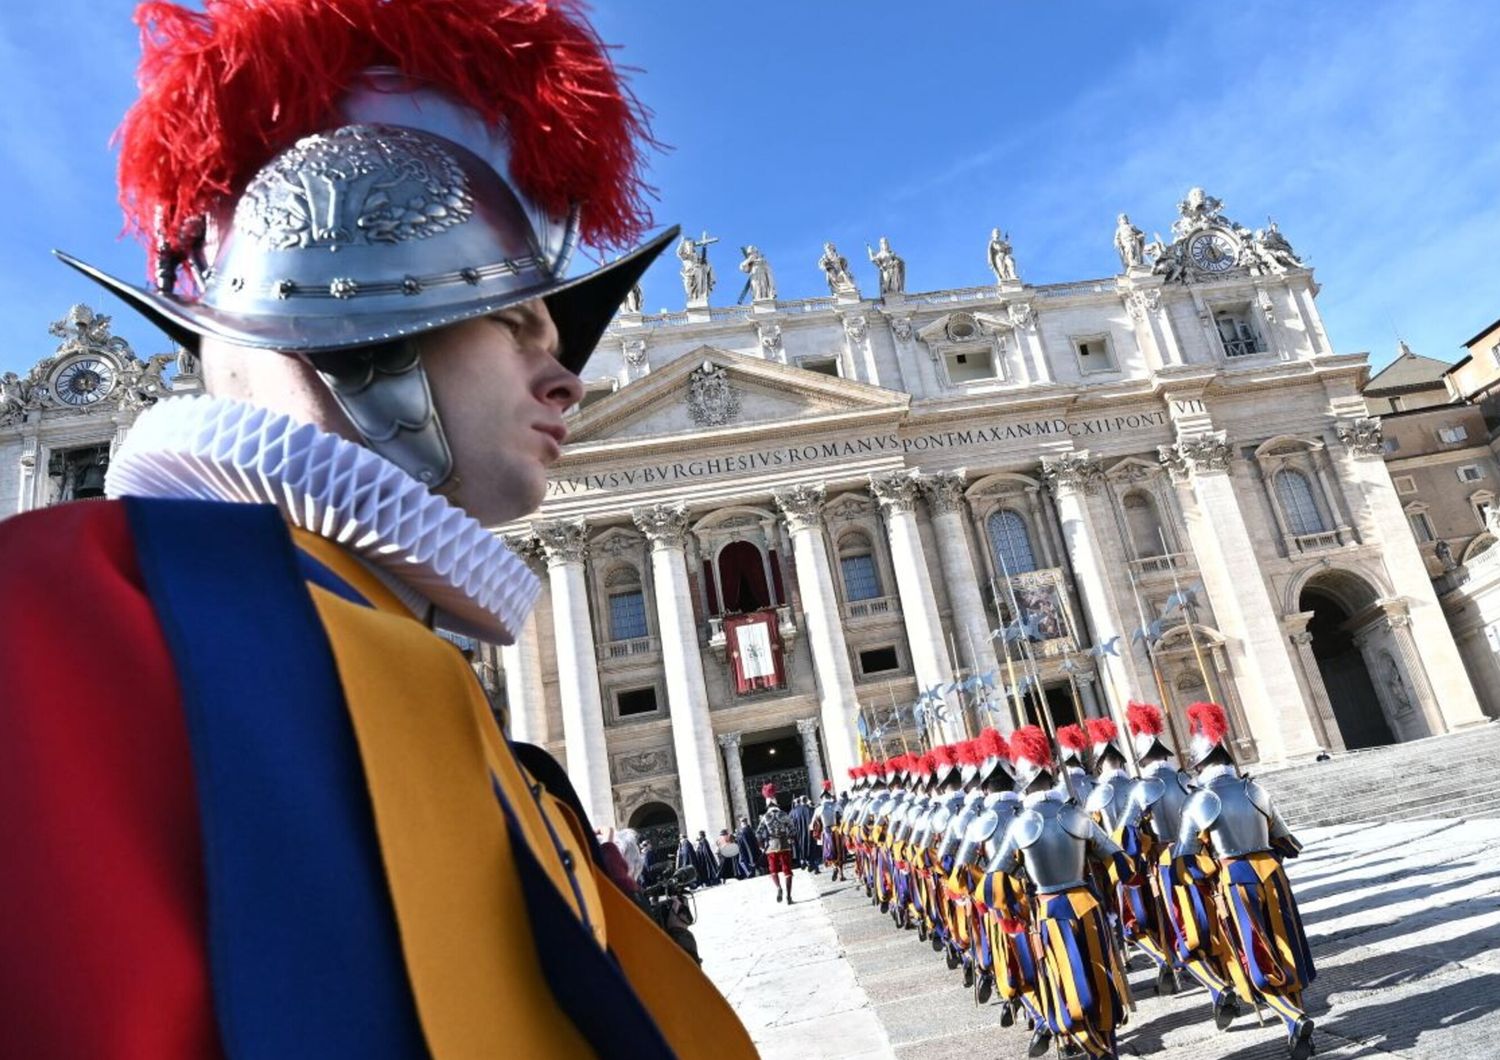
<point>333,178</point>
<point>1146,726</point>
<point>1208,731</point>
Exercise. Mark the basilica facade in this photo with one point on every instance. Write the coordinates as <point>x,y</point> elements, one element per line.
<point>784,529</point>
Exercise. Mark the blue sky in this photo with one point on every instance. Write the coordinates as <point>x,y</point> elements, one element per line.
<point>1368,130</point>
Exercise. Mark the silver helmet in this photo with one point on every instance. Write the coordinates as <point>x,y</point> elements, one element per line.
<point>398,214</point>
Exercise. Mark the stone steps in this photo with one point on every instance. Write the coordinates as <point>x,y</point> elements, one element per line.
<point>1444,776</point>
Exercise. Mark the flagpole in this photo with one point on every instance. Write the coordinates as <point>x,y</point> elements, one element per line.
<point>896,713</point>
<point>1161,687</point>
<point>1019,706</point>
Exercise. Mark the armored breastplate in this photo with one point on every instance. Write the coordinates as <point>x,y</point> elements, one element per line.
<point>958,823</point>
<point>1240,827</point>
<point>1166,793</point>
<point>1053,836</point>
<point>828,813</point>
<point>943,815</point>
<point>1110,798</point>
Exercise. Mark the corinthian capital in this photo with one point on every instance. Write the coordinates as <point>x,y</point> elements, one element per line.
<point>802,505</point>
<point>1072,471</point>
<point>563,540</point>
<point>944,491</point>
<point>896,491</point>
<point>730,741</point>
<point>664,524</point>
<point>1362,436</point>
<point>1201,453</point>
<point>526,547</point>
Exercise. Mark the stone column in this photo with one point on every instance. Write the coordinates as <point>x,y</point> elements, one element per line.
<point>807,729</point>
<point>687,693</point>
<point>825,631</point>
<point>1072,478</point>
<point>565,543</point>
<point>1278,716</point>
<point>525,688</point>
<point>897,493</point>
<point>1398,622</point>
<point>945,500</point>
<point>1089,697</point>
<point>1324,719</point>
<point>1438,657</point>
<point>734,769</point>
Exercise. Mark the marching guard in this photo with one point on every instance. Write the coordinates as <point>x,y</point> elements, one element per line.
<point>1232,835</point>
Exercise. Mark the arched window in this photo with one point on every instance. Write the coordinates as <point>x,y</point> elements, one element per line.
<point>627,604</point>
<point>1297,504</point>
<point>1144,526</point>
<point>1011,542</point>
<point>857,562</point>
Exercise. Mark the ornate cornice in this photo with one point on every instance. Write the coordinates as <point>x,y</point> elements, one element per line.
<point>563,540</point>
<point>1362,436</point>
<point>896,491</point>
<point>664,524</point>
<point>944,491</point>
<point>802,505</point>
<point>1072,471</point>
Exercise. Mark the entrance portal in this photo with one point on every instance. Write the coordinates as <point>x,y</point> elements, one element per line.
<point>1333,599</point>
<point>657,822</point>
<point>777,761</point>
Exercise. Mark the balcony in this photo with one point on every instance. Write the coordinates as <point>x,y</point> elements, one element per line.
<point>612,650</point>
<point>1318,542</point>
<point>1165,563</point>
<point>874,607</point>
<point>1243,347</point>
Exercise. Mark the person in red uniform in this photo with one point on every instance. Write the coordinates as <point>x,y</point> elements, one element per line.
<point>271,815</point>
<point>775,834</point>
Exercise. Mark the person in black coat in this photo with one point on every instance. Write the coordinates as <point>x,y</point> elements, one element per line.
<point>749,864</point>
<point>802,844</point>
<point>705,861</point>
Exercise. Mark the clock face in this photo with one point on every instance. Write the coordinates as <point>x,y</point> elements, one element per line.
<point>1212,252</point>
<point>84,381</point>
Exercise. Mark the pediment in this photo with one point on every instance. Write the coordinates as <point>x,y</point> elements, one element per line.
<point>709,389</point>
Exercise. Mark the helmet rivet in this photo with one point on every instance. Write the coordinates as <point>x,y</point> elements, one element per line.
<point>284,288</point>
<point>470,275</point>
<point>342,287</point>
<point>410,285</point>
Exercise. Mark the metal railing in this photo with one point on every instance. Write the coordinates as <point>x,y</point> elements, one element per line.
<point>874,606</point>
<point>1242,347</point>
<point>1168,561</point>
<point>1319,541</point>
<point>624,649</point>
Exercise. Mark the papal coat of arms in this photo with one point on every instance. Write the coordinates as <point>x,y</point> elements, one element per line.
<point>712,401</point>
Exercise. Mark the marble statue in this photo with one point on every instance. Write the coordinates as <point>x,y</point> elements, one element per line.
<point>892,268</point>
<point>761,284</point>
<point>697,273</point>
<point>1130,242</point>
<point>836,271</point>
<point>1002,261</point>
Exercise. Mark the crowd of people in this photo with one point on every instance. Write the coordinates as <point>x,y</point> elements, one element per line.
<point>778,842</point>
<point>1036,868</point>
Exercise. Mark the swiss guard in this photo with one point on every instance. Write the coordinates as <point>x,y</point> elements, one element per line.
<point>1232,835</point>
<point>271,814</point>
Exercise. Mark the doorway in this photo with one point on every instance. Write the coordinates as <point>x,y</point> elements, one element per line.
<point>1346,678</point>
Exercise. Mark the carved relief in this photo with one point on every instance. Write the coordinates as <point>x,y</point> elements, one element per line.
<point>650,763</point>
<point>802,505</point>
<point>712,400</point>
<point>563,540</point>
<point>1201,453</point>
<point>1362,436</point>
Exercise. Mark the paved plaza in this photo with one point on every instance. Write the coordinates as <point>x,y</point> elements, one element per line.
<point>1404,921</point>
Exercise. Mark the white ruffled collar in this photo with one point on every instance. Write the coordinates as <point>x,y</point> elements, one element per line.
<point>217,449</point>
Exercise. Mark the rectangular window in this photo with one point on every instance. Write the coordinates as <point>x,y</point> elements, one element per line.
<point>969,366</point>
<point>860,579</point>
<point>627,615</point>
<point>1237,334</point>
<point>1470,473</point>
<point>1405,484</point>
<point>1421,527</point>
<point>1093,355</point>
<point>1452,435</point>
<point>1495,354</point>
<point>878,661</point>
<point>633,701</point>
<point>821,365</point>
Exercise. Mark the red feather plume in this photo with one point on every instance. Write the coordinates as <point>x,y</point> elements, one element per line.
<point>1145,719</point>
<point>966,752</point>
<point>1102,730</point>
<point>943,756</point>
<point>1070,736</point>
<point>1030,742</point>
<point>1209,719</point>
<point>855,772</point>
<point>925,765</point>
<point>768,792</point>
<point>225,89</point>
<point>827,785</point>
<point>992,744</point>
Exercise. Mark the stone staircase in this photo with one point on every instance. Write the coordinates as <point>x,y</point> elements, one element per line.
<point>1457,775</point>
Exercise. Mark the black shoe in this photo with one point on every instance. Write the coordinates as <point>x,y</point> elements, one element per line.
<point>968,974</point>
<point>1007,1014</point>
<point>1300,1043</point>
<point>1226,1008</point>
<point>1072,1048</point>
<point>885,907</point>
<point>788,899</point>
<point>1041,1039</point>
<point>778,894</point>
<point>921,931</point>
<point>937,942</point>
<point>952,958</point>
<point>1166,981</point>
<point>985,988</point>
